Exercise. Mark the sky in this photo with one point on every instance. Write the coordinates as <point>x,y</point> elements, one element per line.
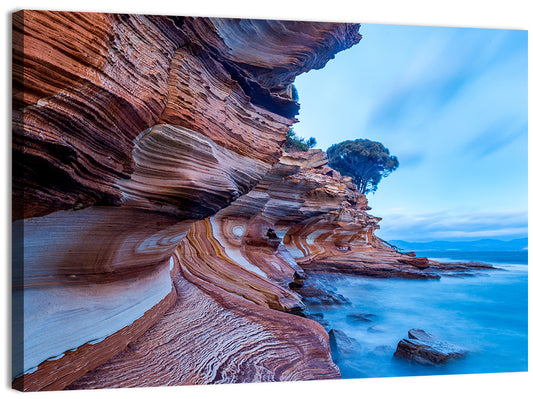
<point>451,104</point>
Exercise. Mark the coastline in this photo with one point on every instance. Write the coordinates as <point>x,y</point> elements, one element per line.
<point>496,378</point>
<point>483,312</point>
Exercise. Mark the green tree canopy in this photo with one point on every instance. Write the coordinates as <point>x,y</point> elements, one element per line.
<point>365,161</point>
<point>296,143</point>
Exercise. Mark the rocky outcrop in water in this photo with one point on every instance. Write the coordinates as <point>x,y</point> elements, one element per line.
<point>422,347</point>
<point>127,130</point>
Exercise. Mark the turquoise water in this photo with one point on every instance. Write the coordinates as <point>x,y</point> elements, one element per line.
<point>485,314</point>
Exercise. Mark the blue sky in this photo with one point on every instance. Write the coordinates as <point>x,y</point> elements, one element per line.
<point>451,104</point>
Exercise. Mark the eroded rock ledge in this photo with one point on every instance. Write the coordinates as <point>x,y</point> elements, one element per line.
<point>164,231</point>
<point>130,133</point>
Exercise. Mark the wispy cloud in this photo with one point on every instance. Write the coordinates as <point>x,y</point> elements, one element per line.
<point>449,62</point>
<point>411,159</point>
<point>451,104</point>
<point>495,137</point>
<point>447,225</point>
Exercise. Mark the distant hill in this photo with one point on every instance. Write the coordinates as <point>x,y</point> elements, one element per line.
<point>518,244</point>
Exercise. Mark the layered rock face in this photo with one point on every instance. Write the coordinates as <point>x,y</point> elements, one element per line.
<point>130,134</point>
<point>304,217</point>
<point>234,278</point>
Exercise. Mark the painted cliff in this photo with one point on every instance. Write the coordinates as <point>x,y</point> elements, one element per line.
<point>130,133</point>
<point>161,234</point>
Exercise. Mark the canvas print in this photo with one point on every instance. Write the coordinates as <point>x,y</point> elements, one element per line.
<point>206,200</point>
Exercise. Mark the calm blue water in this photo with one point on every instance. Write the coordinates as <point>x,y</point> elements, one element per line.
<point>487,315</point>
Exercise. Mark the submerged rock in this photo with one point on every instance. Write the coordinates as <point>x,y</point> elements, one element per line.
<point>316,291</point>
<point>460,269</point>
<point>341,344</point>
<point>361,317</point>
<point>320,296</point>
<point>382,350</point>
<point>376,329</point>
<point>422,347</point>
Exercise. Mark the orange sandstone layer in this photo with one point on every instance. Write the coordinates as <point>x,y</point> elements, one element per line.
<point>128,130</point>
<point>87,85</point>
<point>234,276</point>
<point>305,217</point>
<point>56,374</point>
<point>210,337</point>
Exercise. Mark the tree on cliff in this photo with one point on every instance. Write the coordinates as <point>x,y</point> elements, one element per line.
<point>365,161</point>
<point>296,143</point>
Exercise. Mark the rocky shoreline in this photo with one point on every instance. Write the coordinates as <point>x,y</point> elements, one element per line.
<point>167,238</point>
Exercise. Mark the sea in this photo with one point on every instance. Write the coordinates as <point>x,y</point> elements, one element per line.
<point>485,314</point>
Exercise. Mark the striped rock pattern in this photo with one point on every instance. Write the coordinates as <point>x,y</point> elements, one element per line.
<point>233,270</point>
<point>305,217</point>
<point>210,337</point>
<point>127,131</point>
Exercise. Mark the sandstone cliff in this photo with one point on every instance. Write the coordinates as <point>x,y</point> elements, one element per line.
<point>237,271</point>
<point>162,237</point>
<point>130,133</point>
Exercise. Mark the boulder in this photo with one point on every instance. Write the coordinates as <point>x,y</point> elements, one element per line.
<point>411,259</point>
<point>341,344</point>
<point>422,347</point>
